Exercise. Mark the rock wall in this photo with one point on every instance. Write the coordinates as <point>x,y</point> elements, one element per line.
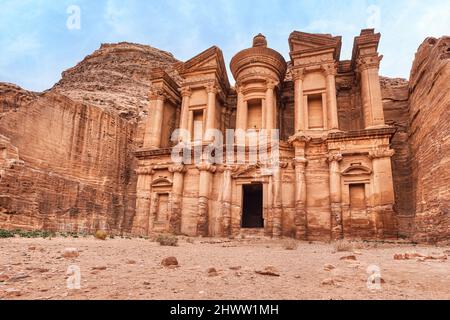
<point>395,94</point>
<point>430,139</point>
<point>71,165</point>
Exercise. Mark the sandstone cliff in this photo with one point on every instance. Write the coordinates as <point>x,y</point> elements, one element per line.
<point>66,155</point>
<point>430,139</point>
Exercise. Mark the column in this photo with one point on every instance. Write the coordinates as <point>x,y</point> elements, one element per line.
<point>300,162</point>
<point>330,72</point>
<point>226,199</point>
<point>241,117</point>
<point>211,109</point>
<point>298,98</point>
<point>277,208</point>
<point>184,121</point>
<point>206,169</point>
<point>153,128</point>
<point>383,192</point>
<point>177,198</point>
<point>270,105</point>
<point>335,196</point>
<point>143,197</point>
<point>371,91</point>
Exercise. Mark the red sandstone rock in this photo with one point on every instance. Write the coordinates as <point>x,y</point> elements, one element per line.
<point>169,261</point>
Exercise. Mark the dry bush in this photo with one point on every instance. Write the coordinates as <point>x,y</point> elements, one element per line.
<point>100,234</point>
<point>190,240</point>
<point>343,245</point>
<point>167,240</point>
<point>290,244</point>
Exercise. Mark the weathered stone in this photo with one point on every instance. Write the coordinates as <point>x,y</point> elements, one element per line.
<point>268,271</point>
<point>70,253</point>
<point>348,257</point>
<point>212,272</point>
<point>328,267</point>
<point>169,261</point>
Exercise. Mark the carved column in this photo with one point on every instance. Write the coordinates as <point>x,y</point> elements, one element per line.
<point>270,105</point>
<point>211,109</point>
<point>371,91</point>
<point>299,124</point>
<point>383,197</point>
<point>184,121</point>
<point>226,198</point>
<point>335,196</point>
<point>330,72</point>
<point>177,198</point>
<point>300,219</point>
<point>206,170</point>
<point>241,117</point>
<point>277,201</point>
<point>153,126</point>
<point>143,197</point>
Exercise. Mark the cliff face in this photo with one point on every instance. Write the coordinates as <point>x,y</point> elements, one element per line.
<point>116,78</point>
<point>66,158</point>
<point>430,139</point>
<point>70,168</point>
<point>395,94</point>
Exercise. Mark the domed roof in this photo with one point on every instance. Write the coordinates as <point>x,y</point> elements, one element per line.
<point>259,54</point>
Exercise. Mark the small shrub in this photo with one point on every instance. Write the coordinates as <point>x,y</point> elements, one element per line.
<point>6,234</point>
<point>100,234</point>
<point>290,244</point>
<point>190,240</point>
<point>342,245</point>
<point>167,240</point>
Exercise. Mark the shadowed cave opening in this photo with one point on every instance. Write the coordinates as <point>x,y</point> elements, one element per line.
<point>252,216</point>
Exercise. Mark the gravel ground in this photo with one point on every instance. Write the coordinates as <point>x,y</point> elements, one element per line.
<point>244,269</point>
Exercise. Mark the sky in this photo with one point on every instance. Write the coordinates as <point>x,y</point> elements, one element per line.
<point>39,39</point>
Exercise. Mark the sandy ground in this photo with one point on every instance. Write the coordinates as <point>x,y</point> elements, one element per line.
<point>131,269</point>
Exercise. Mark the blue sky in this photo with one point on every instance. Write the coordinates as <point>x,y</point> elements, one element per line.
<point>36,45</point>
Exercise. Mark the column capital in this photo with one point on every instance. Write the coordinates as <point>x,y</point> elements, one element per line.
<point>186,91</point>
<point>330,69</point>
<point>299,139</point>
<point>211,87</point>
<point>298,73</point>
<point>178,168</point>
<point>144,171</point>
<point>335,157</point>
<point>368,62</point>
<point>381,153</point>
<point>270,84</point>
<point>206,166</point>
<point>157,94</point>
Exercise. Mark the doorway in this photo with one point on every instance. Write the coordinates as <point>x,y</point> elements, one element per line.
<point>252,213</point>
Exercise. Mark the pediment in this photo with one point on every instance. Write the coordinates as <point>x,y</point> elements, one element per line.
<point>210,60</point>
<point>161,182</point>
<point>252,171</point>
<point>302,41</point>
<point>356,171</point>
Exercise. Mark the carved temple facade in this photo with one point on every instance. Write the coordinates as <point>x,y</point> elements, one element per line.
<point>334,178</point>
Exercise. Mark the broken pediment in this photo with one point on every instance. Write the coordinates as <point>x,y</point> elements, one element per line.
<point>252,171</point>
<point>356,171</point>
<point>310,42</point>
<point>209,61</point>
<point>161,182</point>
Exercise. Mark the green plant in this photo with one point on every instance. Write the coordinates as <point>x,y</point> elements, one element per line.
<point>167,240</point>
<point>6,234</point>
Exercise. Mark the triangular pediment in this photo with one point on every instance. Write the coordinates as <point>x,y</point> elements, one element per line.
<point>210,60</point>
<point>302,41</point>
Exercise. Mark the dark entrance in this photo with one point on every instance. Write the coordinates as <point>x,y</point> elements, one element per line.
<point>252,216</point>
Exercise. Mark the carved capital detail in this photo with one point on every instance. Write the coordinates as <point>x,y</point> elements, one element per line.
<point>368,62</point>
<point>381,153</point>
<point>270,84</point>
<point>186,91</point>
<point>178,168</point>
<point>211,87</point>
<point>298,74</point>
<point>157,94</point>
<point>299,139</point>
<point>334,158</point>
<point>205,166</point>
<point>329,68</point>
<point>144,171</point>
